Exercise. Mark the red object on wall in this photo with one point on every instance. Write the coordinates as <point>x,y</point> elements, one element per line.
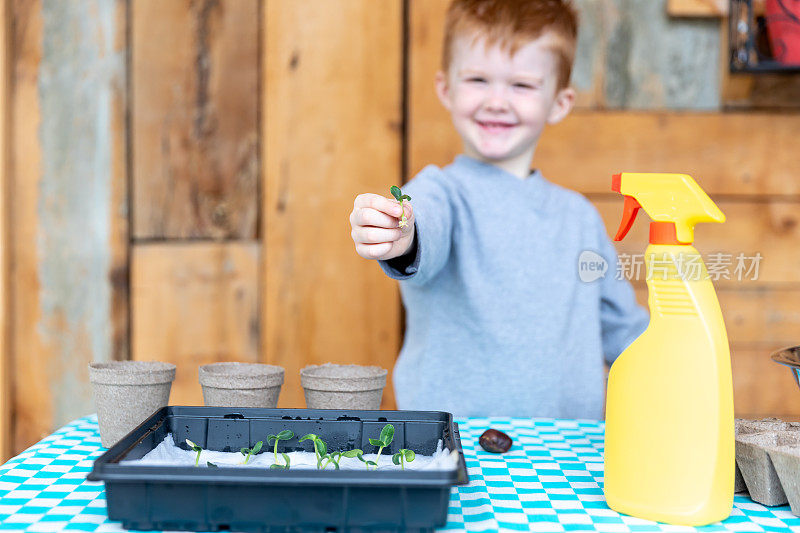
<point>783,28</point>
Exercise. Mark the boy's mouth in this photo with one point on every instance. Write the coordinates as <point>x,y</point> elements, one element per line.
<point>490,126</point>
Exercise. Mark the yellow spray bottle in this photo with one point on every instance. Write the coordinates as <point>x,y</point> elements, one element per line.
<point>669,448</point>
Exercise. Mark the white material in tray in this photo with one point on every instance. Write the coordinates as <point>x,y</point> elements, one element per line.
<point>167,453</point>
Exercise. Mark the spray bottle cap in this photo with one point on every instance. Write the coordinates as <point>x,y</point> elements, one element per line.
<point>674,201</point>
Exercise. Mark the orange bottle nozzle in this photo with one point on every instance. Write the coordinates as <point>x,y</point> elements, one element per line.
<point>616,182</point>
<point>628,216</point>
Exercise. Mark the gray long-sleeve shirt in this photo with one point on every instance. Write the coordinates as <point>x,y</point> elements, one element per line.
<point>498,319</point>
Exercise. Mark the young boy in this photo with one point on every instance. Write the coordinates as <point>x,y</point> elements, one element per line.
<point>498,320</point>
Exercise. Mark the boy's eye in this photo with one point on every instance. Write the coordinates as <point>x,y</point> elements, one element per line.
<point>523,86</point>
<point>476,79</point>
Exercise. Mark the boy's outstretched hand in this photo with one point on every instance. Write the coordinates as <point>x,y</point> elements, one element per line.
<point>376,231</point>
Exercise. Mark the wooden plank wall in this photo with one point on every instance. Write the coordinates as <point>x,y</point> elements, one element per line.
<point>225,246</point>
<point>194,121</point>
<point>5,362</point>
<point>333,109</point>
<point>69,237</point>
<point>182,173</point>
<point>195,180</point>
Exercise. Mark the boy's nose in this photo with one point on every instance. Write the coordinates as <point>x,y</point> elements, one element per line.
<point>497,100</point>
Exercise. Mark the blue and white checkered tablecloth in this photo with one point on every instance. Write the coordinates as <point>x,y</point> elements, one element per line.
<point>550,480</point>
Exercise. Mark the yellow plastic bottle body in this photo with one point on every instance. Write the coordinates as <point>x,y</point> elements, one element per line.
<point>669,447</point>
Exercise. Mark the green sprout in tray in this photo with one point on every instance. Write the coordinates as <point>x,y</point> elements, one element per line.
<point>402,457</point>
<point>286,434</point>
<point>195,448</point>
<point>384,440</point>
<point>335,457</point>
<point>247,452</point>
<point>320,449</point>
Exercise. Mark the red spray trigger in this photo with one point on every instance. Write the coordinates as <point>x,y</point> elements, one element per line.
<point>628,216</point>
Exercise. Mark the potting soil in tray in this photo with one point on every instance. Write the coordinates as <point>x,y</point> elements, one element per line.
<point>168,454</point>
<point>229,498</point>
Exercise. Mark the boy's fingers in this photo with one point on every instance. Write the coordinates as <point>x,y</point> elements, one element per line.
<point>379,203</point>
<point>373,235</point>
<point>366,216</point>
<point>371,251</point>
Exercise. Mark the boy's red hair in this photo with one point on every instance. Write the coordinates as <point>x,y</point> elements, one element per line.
<point>512,24</point>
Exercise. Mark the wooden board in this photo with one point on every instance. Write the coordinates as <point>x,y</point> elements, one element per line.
<point>697,8</point>
<point>5,348</point>
<point>194,304</point>
<point>332,97</point>
<point>69,236</point>
<point>706,8</point>
<point>728,154</point>
<point>640,58</point>
<point>771,228</point>
<point>764,91</point>
<point>762,387</point>
<point>431,136</point>
<point>194,118</point>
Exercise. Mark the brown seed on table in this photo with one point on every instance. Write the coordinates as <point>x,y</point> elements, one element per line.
<point>495,441</point>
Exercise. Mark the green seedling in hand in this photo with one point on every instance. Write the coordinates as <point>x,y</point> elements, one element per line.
<point>403,456</point>
<point>195,448</point>
<point>399,196</point>
<point>385,439</point>
<point>286,434</point>
<point>247,452</point>
<point>320,449</point>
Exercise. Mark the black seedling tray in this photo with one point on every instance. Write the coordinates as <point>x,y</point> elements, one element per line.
<point>260,499</point>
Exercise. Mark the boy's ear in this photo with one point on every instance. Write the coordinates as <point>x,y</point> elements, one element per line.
<point>443,89</point>
<point>562,105</point>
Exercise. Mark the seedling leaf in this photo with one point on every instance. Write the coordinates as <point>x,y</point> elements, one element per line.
<point>409,455</point>
<point>286,434</point>
<point>320,446</point>
<point>395,190</point>
<point>375,442</point>
<point>387,434</point>
<point>257,447</point>
<point>396,458</point>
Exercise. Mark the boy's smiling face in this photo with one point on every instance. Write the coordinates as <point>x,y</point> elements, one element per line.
<point>500,103</point>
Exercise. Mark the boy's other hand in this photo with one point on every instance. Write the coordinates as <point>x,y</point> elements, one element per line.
<point>376,231</point>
